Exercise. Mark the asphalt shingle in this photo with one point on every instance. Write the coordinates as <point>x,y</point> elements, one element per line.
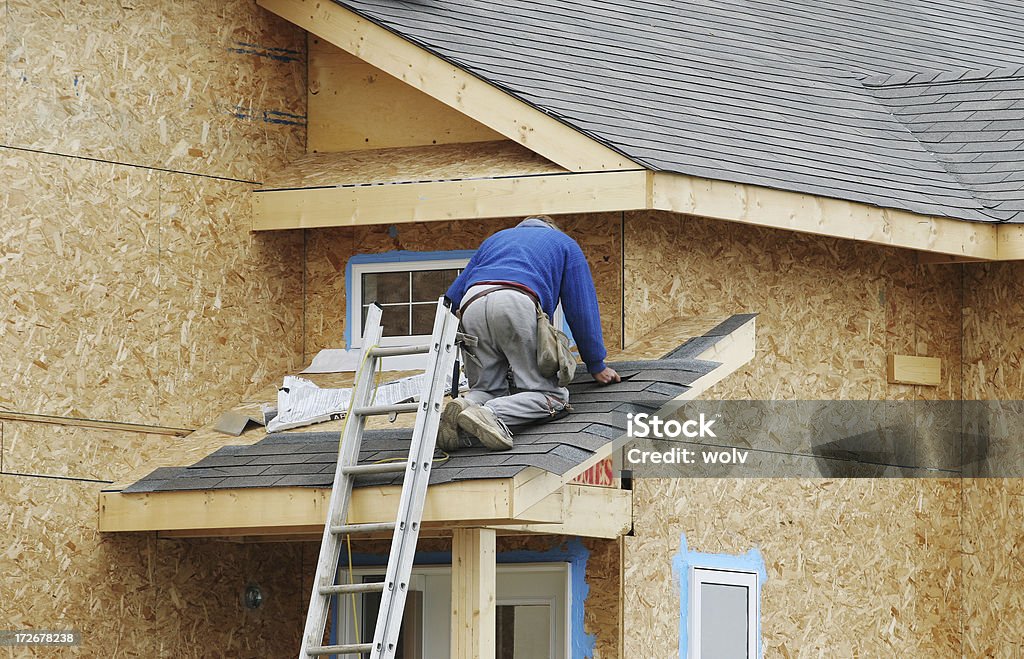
<point>757,91</point>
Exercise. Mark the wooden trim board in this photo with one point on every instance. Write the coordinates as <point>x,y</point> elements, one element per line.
<point>449,200</point>
<point>300,512</point>
<point>908,369</point>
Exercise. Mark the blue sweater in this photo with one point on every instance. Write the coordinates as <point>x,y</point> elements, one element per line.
<point>552,265</point>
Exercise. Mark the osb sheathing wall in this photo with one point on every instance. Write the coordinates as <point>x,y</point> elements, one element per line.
<point>993,516</point>
<point>855,567</point>
<point>133,291</point>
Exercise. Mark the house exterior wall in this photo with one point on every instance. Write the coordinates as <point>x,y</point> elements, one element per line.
<point>134,292</point>
<point>855,567</point>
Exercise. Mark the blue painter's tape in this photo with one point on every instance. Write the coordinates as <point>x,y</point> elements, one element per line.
<point>396,256</point>
<point>752,561</point>
<point>572,552</point>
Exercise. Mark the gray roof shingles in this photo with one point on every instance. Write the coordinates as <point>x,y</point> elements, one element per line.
<point>309,458</point>
<point>766,92</point>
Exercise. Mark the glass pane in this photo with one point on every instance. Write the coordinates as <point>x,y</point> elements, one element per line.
<point>723,621</point>
<point>428,285</point>
<point>385,287</point>
<point>523,631</point>
<point>395,320</point>
<point>423,318</point>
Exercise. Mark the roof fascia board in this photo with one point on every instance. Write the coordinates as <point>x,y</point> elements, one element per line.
<point>449,84</point>
<point>823,216</point>
<point>299,513</point>
<point>449,200</point>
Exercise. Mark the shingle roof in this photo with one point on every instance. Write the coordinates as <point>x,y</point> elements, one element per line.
<point>766,92</point>
<point>973,121</point>
<point>598,417</point>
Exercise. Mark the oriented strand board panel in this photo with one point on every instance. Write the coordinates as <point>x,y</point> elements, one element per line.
<point>86,453</point>
<point>829,310</point>
<point>215,88</point>
<point>353,105</point>
<point>993,508</point>
<point>231,300</point>
<point>993,576</point>
<point>134,594</point>
<point>149,301</point>
<point>328,251</point>
<point>866,568</point>
<point>79,245</point>
<point>993,341</point>
<point>421,163</point>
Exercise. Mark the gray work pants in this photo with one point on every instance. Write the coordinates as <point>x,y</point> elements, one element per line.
<point>505,322</point>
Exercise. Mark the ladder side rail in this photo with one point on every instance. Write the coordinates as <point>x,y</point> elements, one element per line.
<point>414,488</point>
<point>337,511</point>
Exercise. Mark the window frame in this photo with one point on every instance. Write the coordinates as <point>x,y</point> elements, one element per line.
<point>700,575</point>
<point>419,579</point>
<point>355,303</point>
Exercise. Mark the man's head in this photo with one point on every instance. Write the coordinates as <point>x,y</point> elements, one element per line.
<point>546,219</point>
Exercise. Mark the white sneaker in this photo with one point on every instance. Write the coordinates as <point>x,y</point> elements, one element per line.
<point>448,438</point>
<point>483,424</point>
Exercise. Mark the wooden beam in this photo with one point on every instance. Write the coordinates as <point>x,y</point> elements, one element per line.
<point>449,84</point>
<point>448,200</point>
<point>474,574</point>
<point>907,369</point>
<point>266,511</point>
<point>99,424</point>
<point>589,511</point>
<point>1010,242</point>
<point>823,216</point>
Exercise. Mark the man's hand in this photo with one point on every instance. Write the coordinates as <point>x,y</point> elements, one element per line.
<point>607,376</point>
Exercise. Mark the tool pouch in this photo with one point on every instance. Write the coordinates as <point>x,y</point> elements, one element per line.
<point>554,357</point>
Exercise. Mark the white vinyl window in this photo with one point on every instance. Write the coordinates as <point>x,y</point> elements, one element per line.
<point>723,616</point>
<point>532,612</point>
<point>408,292</point>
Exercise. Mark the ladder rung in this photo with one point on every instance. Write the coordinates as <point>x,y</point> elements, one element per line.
<point>354,648</point>
<point>363,528</point>
<point>345,588</point>
<point>379,410</point>
<point>381,468</point>
<point>397,351</point>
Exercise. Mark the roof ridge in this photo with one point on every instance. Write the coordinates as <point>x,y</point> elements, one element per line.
<point>949,76</point>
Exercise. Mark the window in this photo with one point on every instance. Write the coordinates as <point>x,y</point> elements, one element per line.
<point>407,285</point>
<point>407,290</point>
<point>723,614</point>
<point>532,612</point>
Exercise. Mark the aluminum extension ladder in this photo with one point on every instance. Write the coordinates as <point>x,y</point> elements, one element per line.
<point>406,527</point>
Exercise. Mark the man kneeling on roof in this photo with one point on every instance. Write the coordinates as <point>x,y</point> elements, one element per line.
<point>496,296</point>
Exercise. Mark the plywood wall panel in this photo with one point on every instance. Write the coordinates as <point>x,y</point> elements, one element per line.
<point>329,250</point>
<point>135,595</point>
<point>993,510</point>
<point>993,569</point>
<point>231,300</point>
<point>136,84</point>
<point>855,567</point>
<point>75,452</point>
<point>80,278</point>
<point>830,310</point>
<point>355,106</point>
